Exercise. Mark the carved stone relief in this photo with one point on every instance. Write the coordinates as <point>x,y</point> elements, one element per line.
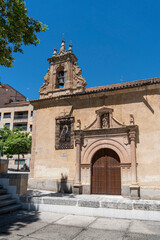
<point>64,133</point>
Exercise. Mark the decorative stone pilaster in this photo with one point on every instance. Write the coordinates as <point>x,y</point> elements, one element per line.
<point>77,188</point>
<point>98,121</point>
<point>134,188</point>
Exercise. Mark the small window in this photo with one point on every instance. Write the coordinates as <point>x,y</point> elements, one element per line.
<point>30,128</point>
<point>31,113</point>
<point>7,115</point>
<point>7,125</point>
<point>0,116</point>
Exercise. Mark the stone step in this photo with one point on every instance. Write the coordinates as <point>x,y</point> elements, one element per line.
<point>10,208</point>
<point>7,202</point>
<point>2,191</point>
<point>92,205</point>
<point>5,196</point>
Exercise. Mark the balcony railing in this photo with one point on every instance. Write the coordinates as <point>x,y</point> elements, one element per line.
<point>16,117</point>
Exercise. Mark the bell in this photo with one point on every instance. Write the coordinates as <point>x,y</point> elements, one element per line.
<point>61,81</point>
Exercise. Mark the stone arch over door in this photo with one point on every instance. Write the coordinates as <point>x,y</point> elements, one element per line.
<point>116,146</point>
<point>119,147</point>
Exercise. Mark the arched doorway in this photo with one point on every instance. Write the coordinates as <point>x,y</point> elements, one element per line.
<point>106,173</point>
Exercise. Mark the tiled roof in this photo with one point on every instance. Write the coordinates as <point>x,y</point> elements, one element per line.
<point>117,86</point>
<point>105,88</point>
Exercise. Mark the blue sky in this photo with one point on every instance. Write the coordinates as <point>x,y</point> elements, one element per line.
<point>112,39</point>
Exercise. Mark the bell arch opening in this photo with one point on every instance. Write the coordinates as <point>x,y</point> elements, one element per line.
<point>106,172</point>
<point>60,75</point>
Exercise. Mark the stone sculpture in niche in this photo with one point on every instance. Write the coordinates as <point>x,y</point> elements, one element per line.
<point>105,120</point>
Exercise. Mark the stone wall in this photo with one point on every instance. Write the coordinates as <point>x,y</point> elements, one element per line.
<point>49,165</point>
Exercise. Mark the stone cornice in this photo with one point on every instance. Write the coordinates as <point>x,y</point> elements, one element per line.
<point>108,131</point>
<point>63,57</point>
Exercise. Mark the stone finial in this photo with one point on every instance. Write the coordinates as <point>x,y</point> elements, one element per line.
<point>70,48</point>
<point>78,124</point>
<point>131,119</point>
<point>62,49</point>
<point>55,52</point>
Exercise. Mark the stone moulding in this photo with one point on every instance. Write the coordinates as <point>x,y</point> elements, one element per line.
<point>105,143</point>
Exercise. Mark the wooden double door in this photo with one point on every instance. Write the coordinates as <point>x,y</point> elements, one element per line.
<point>106,173</point>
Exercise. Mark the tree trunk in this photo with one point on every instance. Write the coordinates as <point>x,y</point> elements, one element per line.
<point>18,163</point>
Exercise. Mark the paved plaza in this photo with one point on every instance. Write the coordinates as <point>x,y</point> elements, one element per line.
<point>47,226</point>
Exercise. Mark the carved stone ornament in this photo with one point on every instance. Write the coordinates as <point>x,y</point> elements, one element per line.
<point>46,80</point>
<point>126,140</point>
<point>78,124</point>
<point>62,49</point>
<point>131,119</point>
<point>77,75</point>
<point>132,135</point>
<point>64,133</point>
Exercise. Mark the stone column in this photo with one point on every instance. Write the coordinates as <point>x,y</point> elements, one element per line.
<point>134,188</point>
<point>132,137</point>
<point>77,188</point>
<point>78,160</point>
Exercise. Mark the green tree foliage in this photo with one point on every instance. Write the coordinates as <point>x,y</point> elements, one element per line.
<point>4,134</point>
<point>15,142</point>
<point>16,28</point>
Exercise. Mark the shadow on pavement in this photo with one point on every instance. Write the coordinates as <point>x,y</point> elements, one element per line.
<point>12,222</point>
<point>36,193</point>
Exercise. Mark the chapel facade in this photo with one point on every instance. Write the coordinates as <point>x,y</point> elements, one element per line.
<point>100,140</point>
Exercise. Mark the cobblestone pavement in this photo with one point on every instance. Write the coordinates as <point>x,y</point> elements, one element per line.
<point>47,226</point>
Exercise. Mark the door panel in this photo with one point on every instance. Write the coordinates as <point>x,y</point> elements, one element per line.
<point>106,174</point>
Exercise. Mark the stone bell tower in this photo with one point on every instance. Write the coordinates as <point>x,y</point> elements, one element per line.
<point>63,76</point>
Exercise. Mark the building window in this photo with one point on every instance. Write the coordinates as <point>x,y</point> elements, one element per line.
<point>7,115</point>
<point>7,125</point>
<point>0,116</point>
<point>22,126</point>
<point>21,115</point>
<point>30,128</point>
<point>61,79</point>
<point>21,161</point>
<point>31,113</point>
<point>64,133</point>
